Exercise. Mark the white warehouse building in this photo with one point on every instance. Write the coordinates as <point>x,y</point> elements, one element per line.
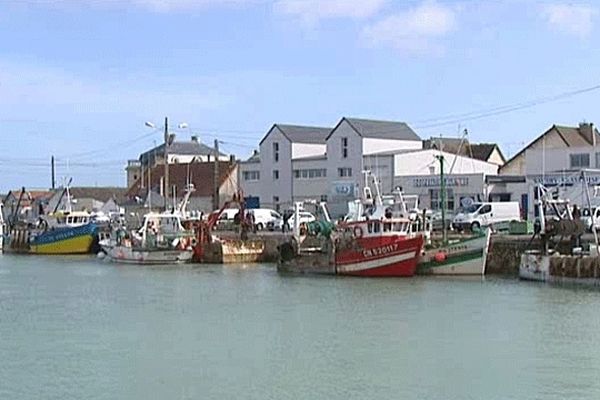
<point>296,163</point>
<point>556,159</point>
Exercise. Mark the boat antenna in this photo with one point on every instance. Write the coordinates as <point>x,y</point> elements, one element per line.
<point>440,157</point>
<point>67,191</point>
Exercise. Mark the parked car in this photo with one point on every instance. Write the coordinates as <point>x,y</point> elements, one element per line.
<point>227,216</point>
<point>305,217</point>
<point>591,219</point>
<point>436,220</point>
<point>483,214</point>
<point>276,224</point>
<point>263,217</point>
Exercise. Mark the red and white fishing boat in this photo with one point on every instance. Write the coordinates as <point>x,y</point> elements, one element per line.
<point>379,248</point>
<point>375,240</point>
<point>384,242</point>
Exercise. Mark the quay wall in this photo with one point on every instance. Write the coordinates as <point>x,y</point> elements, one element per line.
<point>505,251</point>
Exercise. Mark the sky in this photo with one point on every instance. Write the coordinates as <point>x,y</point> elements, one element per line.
<point>78,78</point>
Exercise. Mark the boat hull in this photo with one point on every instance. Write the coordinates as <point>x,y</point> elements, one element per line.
<point>129,255</point>
<point>76,240</point>
<point>380,256</point>
<point>560,269</point>
<point>464,257</point>
<point>230,251</point>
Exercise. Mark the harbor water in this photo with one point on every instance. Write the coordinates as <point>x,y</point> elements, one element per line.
<point>80,328</point>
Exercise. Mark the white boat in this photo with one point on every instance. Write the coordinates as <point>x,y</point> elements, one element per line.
<point>161,240</point>
<point>462,256</point>
<point>557,220</point>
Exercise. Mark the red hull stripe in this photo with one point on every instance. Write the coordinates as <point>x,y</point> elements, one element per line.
<point>388,261</point>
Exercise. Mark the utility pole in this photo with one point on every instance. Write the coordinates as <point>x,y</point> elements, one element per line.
<point>166,180</point>
<point>216,178</point>
<point>53,172</point>
<point>443,198</point>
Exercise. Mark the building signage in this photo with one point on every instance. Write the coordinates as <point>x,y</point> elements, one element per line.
<point>564,180</point>
<point>434,181</point>
<point>344,189</point>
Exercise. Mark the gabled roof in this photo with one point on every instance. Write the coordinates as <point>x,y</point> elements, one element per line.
<point>478,151</point>
<point>102,194</point>
<point>30,196</point>
<point>574,137</point>
<point>376,129</point>
<point>450,145</point>
<point>201,174</point>
<point>571,136</point>
<point>301,133</point>
<point>483,151</point>
<point>254,158</point>
<point>191,148</point>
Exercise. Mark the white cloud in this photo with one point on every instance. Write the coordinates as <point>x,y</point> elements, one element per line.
<point>311,11</point>
<point>571,19</point>
<point>414,30</point>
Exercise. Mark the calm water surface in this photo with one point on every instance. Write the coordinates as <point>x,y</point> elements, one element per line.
<point>79,328</point>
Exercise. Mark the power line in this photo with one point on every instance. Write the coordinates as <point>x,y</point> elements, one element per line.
<point>506,109</point>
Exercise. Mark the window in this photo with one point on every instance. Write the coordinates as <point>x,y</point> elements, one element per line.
<point>276,202</point>
<point>485,209</point>
<point>436,200</point>
<point>344,172</point>
<point>324,197</point>
<point>581,160</point>
<point>597,160</point>
<point>310,173</point>
<point>276,151</point>
<point>275,174</point>
<point>344,147</point>
<point>251,175</point>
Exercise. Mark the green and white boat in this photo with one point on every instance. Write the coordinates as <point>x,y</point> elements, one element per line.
<point>460,256</point>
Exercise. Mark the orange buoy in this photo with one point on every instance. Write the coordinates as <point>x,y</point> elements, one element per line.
<point>440,256</point>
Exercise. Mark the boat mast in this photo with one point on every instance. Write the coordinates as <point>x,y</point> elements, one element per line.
<point>587,195</point>
<point>440,157</point>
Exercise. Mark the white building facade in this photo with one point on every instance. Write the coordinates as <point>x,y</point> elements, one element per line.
<point>565,158</point>
<point>296,163</point>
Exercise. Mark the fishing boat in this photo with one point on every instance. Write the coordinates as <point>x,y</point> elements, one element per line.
<point>62,231</point>
<point>233,246</point>
<point>373,241</point>
<point>462,255</point>
<point>161,240</point>
<point>459,256</point>
<point>546,263</point>
<point>378,247</point>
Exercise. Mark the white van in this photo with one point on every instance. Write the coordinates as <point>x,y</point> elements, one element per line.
<point>264,216</point>
<point>483,214</point>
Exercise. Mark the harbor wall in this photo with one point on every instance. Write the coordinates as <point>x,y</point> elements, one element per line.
<point>505,251</point>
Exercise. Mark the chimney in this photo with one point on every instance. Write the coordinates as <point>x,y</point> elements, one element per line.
<point>194,138</point>
<point>255,153</point>
<point>232,158</point>
<point>586,129</point>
